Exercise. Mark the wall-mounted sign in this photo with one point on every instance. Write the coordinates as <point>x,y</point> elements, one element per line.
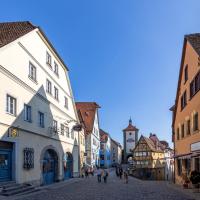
<point>130,140</point>
<point>195,146</point>
<point>13,132</point>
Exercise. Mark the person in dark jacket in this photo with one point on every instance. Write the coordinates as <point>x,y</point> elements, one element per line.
<point>120,172</point>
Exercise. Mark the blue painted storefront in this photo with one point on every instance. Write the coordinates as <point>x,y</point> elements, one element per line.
<point>68,166</point>
<point>5,165</point>
<point>50,166</point>
<point>105,158</point>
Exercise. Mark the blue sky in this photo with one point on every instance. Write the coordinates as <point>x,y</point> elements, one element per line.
<point>123,54</point>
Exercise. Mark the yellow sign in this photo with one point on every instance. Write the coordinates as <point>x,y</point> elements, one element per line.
<point>13,132</point>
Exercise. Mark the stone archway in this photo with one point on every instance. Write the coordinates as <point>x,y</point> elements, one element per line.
<point>49,165</point>
<point>68,165</point>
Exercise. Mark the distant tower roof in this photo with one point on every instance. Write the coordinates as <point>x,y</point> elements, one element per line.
<point>130,121</point>
<point>130,127</point>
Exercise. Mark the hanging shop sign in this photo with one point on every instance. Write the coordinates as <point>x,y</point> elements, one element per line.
<point>13,132</point>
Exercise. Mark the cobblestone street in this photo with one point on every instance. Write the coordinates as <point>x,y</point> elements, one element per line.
<point>116,189</point>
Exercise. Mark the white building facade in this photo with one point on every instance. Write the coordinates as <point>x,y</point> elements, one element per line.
<point>38,142</point>
<point>169,164</point>
<point>89,114</point>
<point>105,149</point>
<point>116,153</point>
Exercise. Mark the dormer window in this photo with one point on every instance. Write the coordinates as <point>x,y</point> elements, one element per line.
<point>48,59</point>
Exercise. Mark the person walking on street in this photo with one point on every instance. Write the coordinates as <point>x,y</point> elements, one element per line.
<point>86,173</point>
<point>120,172</point>
<point>99,173</point>
<point>105,175</point>
<point>117,171</point>
<point>126,177</point>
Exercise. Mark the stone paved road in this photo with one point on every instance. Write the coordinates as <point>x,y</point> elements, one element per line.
<point>115,189</point>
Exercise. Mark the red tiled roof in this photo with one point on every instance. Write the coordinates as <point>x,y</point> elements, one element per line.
<point>117,143</point>
<point>10,31</point>
<point>87,111</point>
<point>103,136</point>
<point>130,127</point>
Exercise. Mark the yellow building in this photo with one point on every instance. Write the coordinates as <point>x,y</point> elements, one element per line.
<point>148,156</point>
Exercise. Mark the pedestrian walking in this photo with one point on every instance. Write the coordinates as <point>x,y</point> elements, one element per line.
<point>86,173</point>
<point>117,171</point>
<point>126,176</point>
<point>82,172</point>
<point>105,175</point>
<point>99,174</point>
<point>120,172</point>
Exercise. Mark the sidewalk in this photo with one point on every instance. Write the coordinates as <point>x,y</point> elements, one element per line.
<point>190,192</point>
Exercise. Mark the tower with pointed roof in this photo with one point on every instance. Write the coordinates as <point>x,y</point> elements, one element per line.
<point>130,137</point>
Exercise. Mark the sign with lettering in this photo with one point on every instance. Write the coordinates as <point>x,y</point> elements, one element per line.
<point>195,146</point>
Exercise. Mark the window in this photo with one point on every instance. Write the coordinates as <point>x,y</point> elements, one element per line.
<point>195,85</point>
<point>144,153</point>
<point>48,61</point>
<point>186,73</point>
<point>67,131</point>
<point>56,68</point>
<point>62,129</point>
<point>32,72</point>
<point>56,93</point>
<point>28,158</point>
<point>183,100</point>
<point>197,164</point>
<point>187,165</point>
<point>179,166</point>
<point>182,131</point>
<point>72,134</point>
<point>11,105</point>
<point>178,136</point>
<point>195,122</point>
<point>41,119</point>
<point>188,127</point>
<point>48,87</point>
<point>55,125</point>
<point>130,133</point>
<point>66,102</point>
<point>27,113</point>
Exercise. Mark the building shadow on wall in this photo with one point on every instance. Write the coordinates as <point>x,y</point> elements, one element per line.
<point>31,149</point>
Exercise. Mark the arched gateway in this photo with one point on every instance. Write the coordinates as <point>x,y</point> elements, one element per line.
<point>50,167</point>
<point>68,165</point>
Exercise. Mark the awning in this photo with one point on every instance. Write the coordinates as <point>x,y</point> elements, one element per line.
<point>196,154</point>
<point>183,156</point>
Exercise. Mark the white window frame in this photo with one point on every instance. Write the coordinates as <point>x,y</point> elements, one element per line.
<point>32,72</point>
<point>48,59</point>
<point>56,93</point>
<point>48,86</point>
<point>56,71</point>
<point>66,102</point>
<point>42,125</point>
<point>11,105</point>
<point>27,113</point>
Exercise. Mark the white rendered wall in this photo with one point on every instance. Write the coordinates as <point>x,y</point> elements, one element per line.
<point>130,145</point>
<point>14,71</point>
